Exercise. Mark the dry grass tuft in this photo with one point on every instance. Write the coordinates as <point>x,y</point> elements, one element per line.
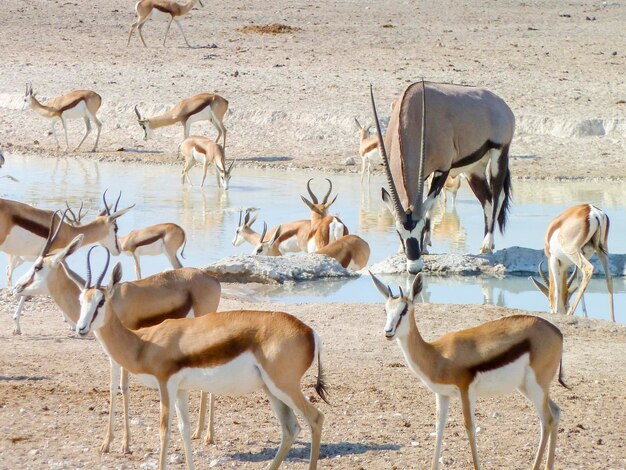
<point>274,28</point>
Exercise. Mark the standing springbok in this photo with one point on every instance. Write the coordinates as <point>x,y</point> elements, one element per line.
<point>292,238</point>
<point>79,104</point>
<point>571,239</point>
<point>368,150</point>
<point>324,228</point>
<point>467,130</point>
<point>146,8</point>
<point>452,186</point>
<point>24,230</point>
<point>154,240</point>
<point>519,352</point>
<point>201,107</point>
<point>172,294</point>
<point>202,150</point>
<point>228,353</point>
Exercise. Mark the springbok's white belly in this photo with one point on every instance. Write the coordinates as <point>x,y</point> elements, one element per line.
<point>504,379</point>
<point>153,249</point>
<point>77,112</point>
<point>22,243</point>
<point>311,246</point>
<point>197,156</point>
<point>372,156</point>
<point>206,113</point>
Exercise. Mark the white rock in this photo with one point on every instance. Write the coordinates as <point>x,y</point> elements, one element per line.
<point>149,464</point>
<point>176,458</point>
<point>350,161</point>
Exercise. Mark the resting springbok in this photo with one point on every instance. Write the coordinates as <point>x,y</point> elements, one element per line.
<point>79,104</point>
<point>202,150</point>
<point>172,294</point>
<point>572,239</point>
<point>519,352</point>
<point>324,228</point>
<point>368,150</point>
<point>24,230</point>
<point>228,353</point>
<point>154,240</point>
<point>202,107</point>
<point>467,130</point>
<point>292,238</point>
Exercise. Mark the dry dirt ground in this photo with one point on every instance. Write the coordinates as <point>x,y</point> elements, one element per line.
<point>560,65</point>
<point>54,400</point>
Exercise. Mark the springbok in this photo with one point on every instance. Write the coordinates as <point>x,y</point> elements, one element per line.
<point>467,130</point>
<point>520,352</point>
<point>202,107</point>
<point>324,228</point>
<point>292,238</point>
<point>571,239</point>
<point>202,150</point>
<point>452,186</point>
<point>228,353</point>
<point>146,8</point>
<point>24,231</point>
<point>172,294</point>
<point>368,150</point>
<point>79,104</point>
<point>154,240</point>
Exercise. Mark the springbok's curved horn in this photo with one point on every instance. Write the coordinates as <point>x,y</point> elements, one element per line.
<point>417,205</point>
<point>51,234</point>
<point>88,280</point>
<point>383,153</point>
<point>117,201</point>
<point>264,231</point>
<point>240,216</point>
<point>541,273</point>
<point>104,200</point>
<point>401,292</point>
<point>231,167</point>
<point>330,188</point>
<point>311,195</point>
<point>137,113</point>
<point>390,293</point>
<point>104,271</point>
<point>358,124</point>
<point>71,212</point>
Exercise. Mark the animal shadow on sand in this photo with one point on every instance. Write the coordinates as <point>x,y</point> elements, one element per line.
<point>303,450</point>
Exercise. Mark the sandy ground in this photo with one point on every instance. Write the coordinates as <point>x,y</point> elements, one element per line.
<point>54,400</point>
<point>560,66</point>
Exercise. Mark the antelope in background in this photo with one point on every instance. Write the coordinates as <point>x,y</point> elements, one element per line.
<point>519,352</point>
<point>146,8</point>
<point>172,294</point>
<point>571,239</point>
<point>368,150</point>
<point>154,240</point>
<point>202,150</point>
<point>228,353</point>
<point>324,228</point>
<point>452,186</point>
<point>292,238</point>
<point>201,107</point>
<point>79,104</point>
<point>467,130</point>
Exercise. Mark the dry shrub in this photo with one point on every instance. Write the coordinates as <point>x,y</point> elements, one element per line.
<point>274,28</point>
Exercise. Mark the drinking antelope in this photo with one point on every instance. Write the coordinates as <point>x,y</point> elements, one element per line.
<point>146,8</point>
<point>519,352</point>
<point>368,150</point>
<point>172,294</point>
<point>79,104</point>
<point>24,230</point>
<point>228,353</point>
<point>571,239</point>
<point>467,130</point>
<point>154,240</point>
<point>324,228</point>
<point>202,150</point>
<point>202,107</point>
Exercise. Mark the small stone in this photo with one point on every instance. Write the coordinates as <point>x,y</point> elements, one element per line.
<point>33,452</point>
<point>350,161</point>
<point>176,458</point>
<point>415,443</point>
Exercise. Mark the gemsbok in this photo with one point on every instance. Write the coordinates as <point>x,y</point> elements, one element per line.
<point>79,104</point>
<point>201,107</point>
<point>571,239</point>
<point>519,352</point>
<point>227,353</point>
<point>154,240</point>
<point>24,230</point>
<point>202,150</point>
<point>324,228</point>
<point>368,150</point>
<point>173,294</point>
<point>466,130</point>
<point>145,9</point>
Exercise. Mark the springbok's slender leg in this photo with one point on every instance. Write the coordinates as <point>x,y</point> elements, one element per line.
<point>165,421</point>
<point>130,31</point>
<point>13,262</point>
<point>98,124</point>
<point>289,427</point>
<point>139,28</point>
<point>210,434</point>
<point>604,260</point>
<point>125,400</point>
<point>467,403</point>
<point>442,415</point>
<point>536,395</point>
<point>137,265</point>
<point>17,330</point>
<point>87,131</point>
<point>180,27</point>
<point>173,259</point>
<point>186,129</point>
<point>115,381</point>
<point>168,29</point>
<point>53,131</point>
<point>363,168</point>
<point>182,411</point>
<point>67,142</point>
<point>554,432</point>
<point>587,271</point>
<point>205,168</point>
<point>188,166</point>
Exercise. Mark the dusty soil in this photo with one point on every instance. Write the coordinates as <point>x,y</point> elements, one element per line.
<point>561,67</point>
<point>54,400</point>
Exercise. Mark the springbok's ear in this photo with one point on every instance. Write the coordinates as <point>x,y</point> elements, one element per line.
<point>416,287</point>
<point>382,288</point>
<point>388,202</point>
<point>543,289</point>
<point>276,235</point>
<point>116,276</point>
<point>69,249</point>
<point>311,206</point>
<point>252,221</point>
<point>328,204</point>
<point>120,213</point>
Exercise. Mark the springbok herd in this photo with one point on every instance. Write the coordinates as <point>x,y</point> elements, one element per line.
<point>164,330</point>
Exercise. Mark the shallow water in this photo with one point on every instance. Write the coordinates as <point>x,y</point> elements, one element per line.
<point>210,217</point>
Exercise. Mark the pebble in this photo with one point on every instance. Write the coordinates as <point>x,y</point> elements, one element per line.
<point>176,458</point>
<point>350,161</point>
